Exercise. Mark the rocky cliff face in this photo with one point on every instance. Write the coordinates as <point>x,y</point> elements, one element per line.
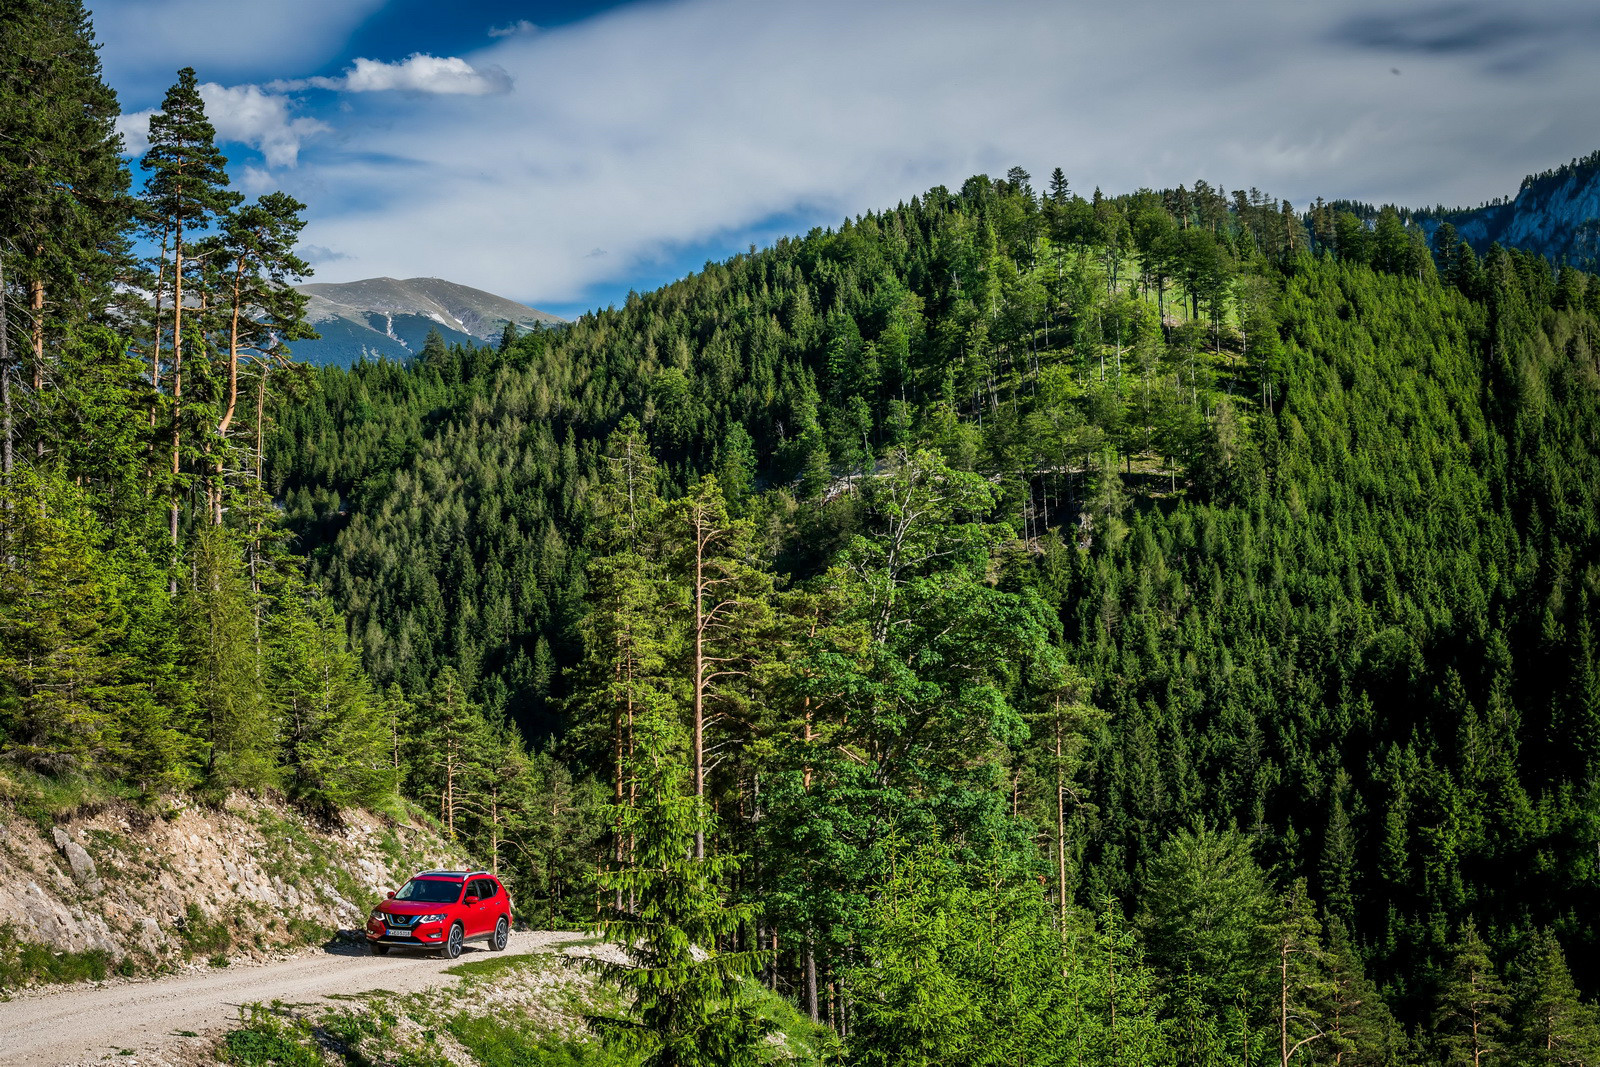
<point>1556,214</point>
<point>197,884</point>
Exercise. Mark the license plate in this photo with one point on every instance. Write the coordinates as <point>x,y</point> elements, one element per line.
<point>398,931</point>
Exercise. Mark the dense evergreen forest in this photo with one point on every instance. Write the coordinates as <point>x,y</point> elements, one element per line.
<point>1019,627</point>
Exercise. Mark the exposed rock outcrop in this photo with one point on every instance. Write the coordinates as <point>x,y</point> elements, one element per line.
<point>248,879</point>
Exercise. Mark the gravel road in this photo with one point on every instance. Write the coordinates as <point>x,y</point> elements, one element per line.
<point>74,1025</point>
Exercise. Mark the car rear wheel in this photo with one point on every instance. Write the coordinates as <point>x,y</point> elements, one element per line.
<point>377,949</point>
<point>502,935</point>
<point>452,944</point>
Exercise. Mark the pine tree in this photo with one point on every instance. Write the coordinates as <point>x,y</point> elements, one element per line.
<point>187,189</point>
<point>1336,870</point>
<point>335,749</point>
<point>1303,990</point>
<point>1472,1004</point>
<point>501,808</point>
<point>158,745</point>
<point>254,256</point>
<point>63,187</point>
<point>1206,912</point>
<point>455,742</point>
<point>1059,190</point>
<point>1361,1031</point>
<point>1116,996</point>
<point>688,1003</point>
<point>236,721</point>
<point>1553,1025</point>
<point>58,676</point>
<point>728,610</point>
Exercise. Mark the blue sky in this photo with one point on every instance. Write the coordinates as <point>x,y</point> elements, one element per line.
<point>565,152</point>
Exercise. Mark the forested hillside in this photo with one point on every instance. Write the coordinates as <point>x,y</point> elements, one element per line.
<point>1205,546</point>
<point>1018,627</point>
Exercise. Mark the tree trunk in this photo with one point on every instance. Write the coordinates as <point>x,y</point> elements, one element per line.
<point>155,352</point>
<point>36,307</point>
<point>494,836</point>
<point>1283,1001</point>
<point>699,678</point>
<point>811,980</point>
<point>177,386</point>
<point>1061,827</point>
<point>5,379</point>
<point>233,354</point>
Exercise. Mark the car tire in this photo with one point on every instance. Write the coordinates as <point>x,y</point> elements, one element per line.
<point>377,949</point>
<point>502,935</point>
<point>452,944</point>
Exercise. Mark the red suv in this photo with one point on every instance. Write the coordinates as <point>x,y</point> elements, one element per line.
<point>442,910</point>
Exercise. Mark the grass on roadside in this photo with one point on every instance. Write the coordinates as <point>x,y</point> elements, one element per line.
<point>24,963</point>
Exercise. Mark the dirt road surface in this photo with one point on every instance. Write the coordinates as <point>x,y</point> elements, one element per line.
<point>73,1026</point>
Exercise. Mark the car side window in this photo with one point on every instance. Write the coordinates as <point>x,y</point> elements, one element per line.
<point>479,890</point>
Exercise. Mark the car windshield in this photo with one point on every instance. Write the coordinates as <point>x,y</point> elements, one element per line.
<point>429,891</point>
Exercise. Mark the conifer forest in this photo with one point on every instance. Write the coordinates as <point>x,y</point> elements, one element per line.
<point>1020,625</point>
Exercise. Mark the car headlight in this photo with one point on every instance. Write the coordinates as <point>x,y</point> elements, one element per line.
<point>430,919</point>
<point>376,916</point>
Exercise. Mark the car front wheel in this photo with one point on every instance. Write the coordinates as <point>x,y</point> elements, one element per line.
<point>377,949</point>
<point>502,935</point>
<point>452,944</point>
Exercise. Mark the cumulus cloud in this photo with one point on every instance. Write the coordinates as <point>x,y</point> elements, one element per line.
<point>417,73</point>
<point>660,130</point>
<point>259,119</point>
<point>135,130</point>
<point>242,113</point>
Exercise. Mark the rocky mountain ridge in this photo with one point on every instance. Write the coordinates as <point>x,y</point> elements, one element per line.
<point>390,317</point>
<point>1556,214</point>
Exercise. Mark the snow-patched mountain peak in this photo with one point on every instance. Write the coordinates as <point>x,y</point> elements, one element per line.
<point>391,317</point>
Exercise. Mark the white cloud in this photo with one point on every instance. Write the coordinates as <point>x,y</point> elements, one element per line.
<point>417,73</point>
<point>261,120</point>
<point>135,131</point>
<point>242,113</point>
<point>693,123</point>
<point>146,41</point>
<point>513,29</point>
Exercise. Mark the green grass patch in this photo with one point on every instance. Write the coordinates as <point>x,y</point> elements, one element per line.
<point>496,965</point>
<point>24,963</point>
<point>496,1043</point>
<point>308,932</point>
<point>204,937</point>
<point>48,800</point>
<point>806,1042</point>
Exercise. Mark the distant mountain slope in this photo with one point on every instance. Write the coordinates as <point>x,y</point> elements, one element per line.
<point>391,317</point>
<point>1556,214</point>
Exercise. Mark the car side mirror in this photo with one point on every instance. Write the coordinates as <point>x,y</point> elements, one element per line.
<point>391,894</point>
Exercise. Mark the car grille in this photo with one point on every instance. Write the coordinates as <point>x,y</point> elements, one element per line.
<point>399,920</point>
